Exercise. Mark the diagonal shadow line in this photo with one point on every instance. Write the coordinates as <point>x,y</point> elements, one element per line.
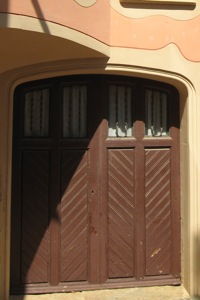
<point>40,15</point>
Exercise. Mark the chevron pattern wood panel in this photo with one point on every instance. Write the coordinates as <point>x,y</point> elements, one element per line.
<point>34,235</point>
<point>158,211</point>
<point>74,216</point>
<point>121,213</point>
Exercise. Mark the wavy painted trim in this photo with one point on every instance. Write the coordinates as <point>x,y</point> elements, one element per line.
<point>156,32</point>
<point>86,3</point>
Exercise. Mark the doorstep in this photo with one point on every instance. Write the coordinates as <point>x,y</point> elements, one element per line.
<point>142,293</point>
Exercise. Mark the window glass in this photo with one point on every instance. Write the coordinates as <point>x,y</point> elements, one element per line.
<point>36,113</point>
<point>120,103</point>
<point>74,111</point>
<point>156,113</point>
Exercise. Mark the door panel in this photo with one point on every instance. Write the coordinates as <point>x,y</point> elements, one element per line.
<point>121,213</point>
<point>95,196</point>
<point>74,215</point>
<point>34,234</point>
<point>158,211</point>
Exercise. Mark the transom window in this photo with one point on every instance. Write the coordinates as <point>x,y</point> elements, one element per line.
<point>36,113</point>
<point>122,106</point>
<point>74,111</point>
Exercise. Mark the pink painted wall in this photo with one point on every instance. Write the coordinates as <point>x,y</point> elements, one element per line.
<point>103,23</point>
<point>94,20</point>
<point>156,32</point>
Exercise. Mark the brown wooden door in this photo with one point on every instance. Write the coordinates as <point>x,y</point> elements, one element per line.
<point>95,198</point>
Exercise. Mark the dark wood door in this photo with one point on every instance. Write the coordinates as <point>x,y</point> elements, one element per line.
<point>95,198</point>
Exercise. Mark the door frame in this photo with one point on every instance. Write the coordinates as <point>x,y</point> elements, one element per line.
<point>189,184</point>
<point>140,85</point>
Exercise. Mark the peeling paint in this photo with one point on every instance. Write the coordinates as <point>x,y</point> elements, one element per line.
<point>156,252</point>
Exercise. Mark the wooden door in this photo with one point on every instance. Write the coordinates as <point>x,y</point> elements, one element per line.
<point>140,180</point>
<point>95,198</point>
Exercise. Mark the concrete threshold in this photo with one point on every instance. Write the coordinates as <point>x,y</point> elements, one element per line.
<point>142,293</point>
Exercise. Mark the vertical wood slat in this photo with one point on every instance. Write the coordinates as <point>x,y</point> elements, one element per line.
<point>121,213</point>
<point>74,215</point>
<point>35,235</point>
<point>158,211</point>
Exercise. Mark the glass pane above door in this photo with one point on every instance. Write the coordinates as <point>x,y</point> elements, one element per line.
<point>74,111</point>
<point>36,113</point>
<point>156,113</point>
<point>120,111</point>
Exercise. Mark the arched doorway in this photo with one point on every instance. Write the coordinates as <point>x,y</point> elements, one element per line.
<point>95,197</point>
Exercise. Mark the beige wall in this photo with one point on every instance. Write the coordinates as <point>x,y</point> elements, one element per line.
<point>30,54</point>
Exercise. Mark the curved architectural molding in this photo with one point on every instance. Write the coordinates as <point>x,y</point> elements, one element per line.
<point>144,9</point>
<point>135,33</point>
<point>62,42</point>
<point>66,13</point>
<point>86,3</point>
